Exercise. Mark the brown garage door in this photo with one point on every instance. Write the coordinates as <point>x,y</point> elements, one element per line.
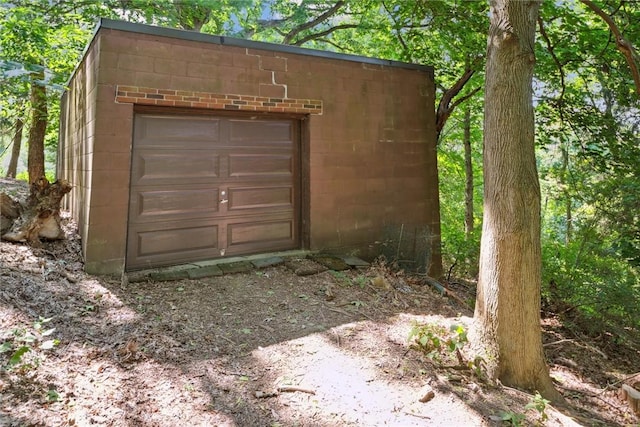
<point>204,187</point>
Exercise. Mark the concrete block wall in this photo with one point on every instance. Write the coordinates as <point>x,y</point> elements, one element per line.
<point>77,135</point>
<point>371,158</point>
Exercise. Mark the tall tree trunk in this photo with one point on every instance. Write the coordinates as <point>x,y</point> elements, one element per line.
<point>468,173</point>
<point>35,162</point>
<point>508,299</point>
<point>12,170</point>
<point>567,196</point>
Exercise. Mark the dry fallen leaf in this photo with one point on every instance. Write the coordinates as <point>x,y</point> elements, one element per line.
<point>128,351</point>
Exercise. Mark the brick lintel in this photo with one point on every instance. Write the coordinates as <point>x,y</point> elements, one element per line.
<point>155,96</point>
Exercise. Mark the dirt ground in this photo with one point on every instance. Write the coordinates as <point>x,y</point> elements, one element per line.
<point>265,348</point>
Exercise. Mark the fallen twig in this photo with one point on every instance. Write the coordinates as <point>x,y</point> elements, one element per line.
<point>228,339</point>
<point>443,290</point>
<point>588,347</point>
<point>418,415</point>
<point>293,388</point>
<point>594,395</point>
<point>620,381</point>
<point>364,315</point>
<point>337,310</point>
<point>558,342</point>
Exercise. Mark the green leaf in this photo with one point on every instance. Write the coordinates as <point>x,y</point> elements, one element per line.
<point>17,356</point>
<point>53,396</point>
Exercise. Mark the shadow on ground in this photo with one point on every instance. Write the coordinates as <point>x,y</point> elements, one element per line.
<point>264,347</point>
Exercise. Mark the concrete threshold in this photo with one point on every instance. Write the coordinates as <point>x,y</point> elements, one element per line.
<point>295,259</point>
<point>215,267</point>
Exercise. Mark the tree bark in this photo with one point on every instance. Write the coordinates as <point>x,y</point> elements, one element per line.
<point>508,300</point>
<point>12,170</point>
<point>35,162</point>
<point>40,217</point>
<point>468,172</point>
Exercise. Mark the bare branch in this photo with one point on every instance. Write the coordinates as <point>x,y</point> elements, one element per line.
<point>464,98</point>
<point>323,33</point>
<point>624,46</point>
<point>297,30</point>
<point>445,106</point>
<point>336,45</point>
<point>270,23</point>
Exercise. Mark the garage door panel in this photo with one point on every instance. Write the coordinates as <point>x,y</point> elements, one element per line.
<point>260,232</point>
<point>266,198</point>
<point>260,165</point>
<point>172,166</point>
<point>168,131</point>
<point>178,202</point>
<point>260,132</point>
<point>176,242</point>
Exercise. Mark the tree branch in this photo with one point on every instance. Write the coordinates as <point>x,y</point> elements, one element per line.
<point>464,98</point>
<point>297,30</point>
<point>336,45</point>
<point>445,106</point>
<point>323,33</point>
<point>624,46</point>
<point>270,23</point>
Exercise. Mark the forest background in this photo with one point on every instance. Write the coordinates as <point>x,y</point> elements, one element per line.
<point>585,96</point>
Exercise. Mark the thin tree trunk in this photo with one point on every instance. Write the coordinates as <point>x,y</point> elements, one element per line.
<point>12,170</point>
<point>468,172</point>
<point>508,298</point>
<point>35,162</point>
<point>567,196</point>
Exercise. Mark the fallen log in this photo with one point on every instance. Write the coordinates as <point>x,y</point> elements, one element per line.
<point>38,217</point>
<point>631,396</point>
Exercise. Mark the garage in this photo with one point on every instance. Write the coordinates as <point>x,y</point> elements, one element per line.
<point>185,147</point>
<point>208,186</point>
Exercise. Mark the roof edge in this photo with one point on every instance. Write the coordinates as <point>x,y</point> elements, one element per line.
<point>251,44</point>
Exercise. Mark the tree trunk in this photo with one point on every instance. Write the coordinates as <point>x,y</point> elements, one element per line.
<point>508,300</point>
<point>40,217</point>
<point>35,162</point>
<point>12,170</point>
<point>567,196</point>
<point>468,172</point>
